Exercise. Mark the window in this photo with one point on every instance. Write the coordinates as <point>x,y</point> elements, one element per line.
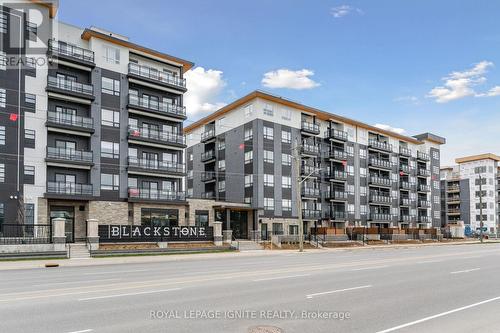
<point>222,165</point>
<point>3,97</point>
<point>248,180</point>
<point>286,159</point>
<point>110,149</point>
<point>110,86</point>
<point>3,61</point>
<point>287,205</point>
<point>201,218</point>
<point>190,174</point>
<point>29,134</point>
<point>287,181</point>
<point>110,118</point>
<point>221,122</point>
<point>132,183</point>
<point>29,170</point>
<point>112,55</point>
<point>248,134</point>
<point>286,137</point>
<point>268,180</point>
<point>435,155</point>
<point>269,205</point>
<point>2,135</point>
<point>480,181</point>
<point>2,173</point>
<point>268,110</point>
<point>248,110</point>
<point>268,156</point>
<point>29,213</point>
<point>190,155</point>
<point>32,30</point>
<point>248,200</point>
<point>268,133</point>
<point>30,99</point>
<point>222,186</point>
<point>3,22</point>
<point>222,144</point>
<point>110,182</point>
<point>248,156</point>
<point>287,114</point>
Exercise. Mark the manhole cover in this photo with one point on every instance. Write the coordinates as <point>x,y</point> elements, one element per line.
<point>265,329</point>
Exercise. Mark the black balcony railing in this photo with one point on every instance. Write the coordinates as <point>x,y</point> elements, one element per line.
<point>404,168</point>
<point>65,119</point>
<point>162,107</point>
<point>424,188</point>
<point>66,154</point>
<point>453,188</point>
<point>208,195</point>
<point>423,219</point>
<point>337,195</point>
<point>310,127</point>
<point>423,156</point>
<point>310,191</point>
<point>70,50</point>
<point>404,201</point>
<point>156,75</point>
<point>406,185</point>
<point>152,134</point>
<point>336,174</point>
<point>380,145</point>
<point>407,218</point>
<point>381,217</point>
<point>309,170</point>
<point>379,198</point>
<point>69,188</point>
<point>379,163</point>
<point>405,151</point>
<point>453,198</point>
<point>207,176</point>
<point>69,85</point>
<point>309,149</point>
<point>424,203</point>
<point>208,134</point>
<point>338,215</point>
<point>208,155</point>
<point>376,180</point>
<point>12,234</point>
<point>155,165</point>
<point>333,133</point>
<point>311,214</point>
<point>152,194</point>
<point>424,172</point>
<point>337,154</point>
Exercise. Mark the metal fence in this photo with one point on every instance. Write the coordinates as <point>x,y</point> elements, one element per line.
<point>12,234</point>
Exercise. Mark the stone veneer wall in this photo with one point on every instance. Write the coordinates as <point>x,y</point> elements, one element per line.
<point>109,212</point>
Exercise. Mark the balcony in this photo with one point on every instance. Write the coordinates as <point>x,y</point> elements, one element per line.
<point>380,181</point>
<point>337,195</point>
<point>208,176</point>
<point>69,190</point>
<point>311,214</point>
<point>69,122</point>
<point>208,156</point>
<point>383,217</point>
<point>336,175</point>
<point>405,151</point>
<point>336,134</point>
<point>453,211</point>
<point>404,168</point>
<point>423,172</point>
<point>406,185</point>
<point>149,165</point>
<point>209,134</point>
<point>424,204</point>
<point>156,137</point>
<point>453,188</point>
<point>154,76</point>
<point>404,202</point>
<point>69,87</point>
<point>153,107</point>
<point>423,156</point>
<point>310,192</point>
<point>71,156</point>
<point>309,150</point>
<point>208,195</point>
<point>380,199</point>
<point>309,170</point>
<point>146,194</point>
<point>424,188</point>
<point>423,219</point>
<point>379,163</point>
<point>70,52</point>
<point>380,145</point>
<point>337,154</point>
<point>453,199</point>
<point>338,215</point>
<point>407,218</point>
<point>310,128</point>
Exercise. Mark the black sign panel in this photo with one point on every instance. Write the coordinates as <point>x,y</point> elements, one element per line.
<point>143,233</point>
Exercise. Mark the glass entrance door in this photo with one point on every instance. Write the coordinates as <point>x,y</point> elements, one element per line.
<point>239,224</point>
<point>67,213</point>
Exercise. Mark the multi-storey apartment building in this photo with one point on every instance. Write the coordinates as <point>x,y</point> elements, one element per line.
<point>473,180</point>
<point>90,128</point>
<point>351,173</point>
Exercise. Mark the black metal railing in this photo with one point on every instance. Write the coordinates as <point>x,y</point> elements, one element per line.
<point>67,154</point>
<point>310,127</point>
<point>311,214</point>
<point>69,85</point>
<point>62,118</point>
<point>156,75</point>
<point>424,172</point>
<point>309,170</point>
<point>208,175</point>
<point>309,149</point>
<point>337,154</point>
<point>336,134</point>
<point>379,198</point>
<point>152,134</point>
<point>380,145</point>
<point>404,201</point>
<point>208,134</point>
<point>70,50</point>
<point>69,188</point>
<point>423,156</point>
<point>337,194</point>
<point>155,165</point>
<point>155,105</point>
<point>336,174</point>
<point>404,167</point>
<point>406,185</point>
<point>152,194</point>
<point>310,191</point>
<point>424,203</point>
<point>377,162</point>
<point>424,188</point>
<point>405,151</point>
<point>12,234</point>
<point>380,181</point>
<point>381,217</point>
<point>208,155</point>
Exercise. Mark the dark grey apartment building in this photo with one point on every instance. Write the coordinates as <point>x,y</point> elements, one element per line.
<point>351,173</point>
<point>91,125</point>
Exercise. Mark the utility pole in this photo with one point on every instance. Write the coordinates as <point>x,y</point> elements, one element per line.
<point>481,207</point>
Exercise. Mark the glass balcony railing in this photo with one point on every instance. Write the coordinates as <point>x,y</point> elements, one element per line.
<point>423,156</point>
<point>333,133</point>
<point>310,127</point>
<point>208,134</point>
<point>154,105</point>
<point>378,198</point>
<point>71,155</point>
<point>381,217</point>
<point>405,151</point>
<point>337,154</point>
<point>208,155</point>
<point>376,180</point>
<point>309,149</point>
<point>69,50</point>
<point>311,214</point>
<point>155,165</point>
<point>379,163</point>
<point>154,74</point>
<point>380,145</point>
<point>60,118</point>
<point>154,194</point>
<point>70,86</point>
<point>310,191</point>
<point>151,134</point>
<point>69,188</point>
<point>208,176</point>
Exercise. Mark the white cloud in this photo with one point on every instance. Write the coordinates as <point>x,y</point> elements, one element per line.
<point>343,10</point>
<point>390,128</point>
<point>458,85</point>
<point>204,88</point>
<point>285,78</point>
<point>408,99</point>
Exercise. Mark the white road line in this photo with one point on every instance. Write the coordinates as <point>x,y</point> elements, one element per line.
<point>429,261</point>
<point>466,271</point>
<point>337,291</point>
<point>281,277</point>
<point>82,331</point>
<point>366,268</point>
<point>471,257</point>
<point>117,272</point>
<point>438,315</point>
<point>72,282</point>
<point>129,294</point>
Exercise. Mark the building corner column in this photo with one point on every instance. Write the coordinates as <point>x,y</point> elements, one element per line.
<point>93,234</point>
<point>217,233</point>
<point>58,234</point>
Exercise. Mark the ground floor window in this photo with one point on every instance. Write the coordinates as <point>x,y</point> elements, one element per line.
<point>29,213</point>
<point>160,217</point>
<point>293,229</point>
<point>277,228</point>
<point>201,218</point>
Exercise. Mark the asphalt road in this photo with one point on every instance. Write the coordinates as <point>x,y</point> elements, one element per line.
<point>426,289</point>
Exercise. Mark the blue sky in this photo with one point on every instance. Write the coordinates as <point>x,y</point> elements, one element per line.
<point>415,65</point>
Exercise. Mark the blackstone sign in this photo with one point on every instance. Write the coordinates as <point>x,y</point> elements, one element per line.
<point>143,233</point>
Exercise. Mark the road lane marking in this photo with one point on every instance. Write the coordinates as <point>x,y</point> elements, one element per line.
<point>337,291</point>
<point>82,331</point>
<point>72,282</point>
<point>429,261</point>
<point>442,314</point>
<point>471,257</point>
<point>367,268</point>
<point>466,271</point>
<point>129,294</point>
<point>118,272</point>
<point>281,277</point>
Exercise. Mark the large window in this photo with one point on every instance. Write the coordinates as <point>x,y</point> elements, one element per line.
<point>201,218</point>
<point>268,133</point>
<point>248,156</point>
<point>3,61</point>
<point>268,156</point>
<point>159,217</point>
<point>268,180</point>
<point>287,182</point>
<point>3,97</point>
<point>110,86</point>
<point>286,137</point>
<point>110,118</point>
<point>287,205</point>
<point>2,135</point>
<point>29,174</point>
<point>2,213</point>
<point>268,110</point>
<point>110,182</point>
<point>111,55</point>
<point>2,173</point>
<point>248,110</point>
<point>268,203</point>
<point>286,159</point>
<point>248,180</point>
<point>222,186</point>
<point>110,149</point>
<point>29,213</point>
<point>29,134</point>
<point>248,134</point>
<point>3,22</point>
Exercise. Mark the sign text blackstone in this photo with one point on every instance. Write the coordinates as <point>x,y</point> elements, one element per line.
<point>141,233</point>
